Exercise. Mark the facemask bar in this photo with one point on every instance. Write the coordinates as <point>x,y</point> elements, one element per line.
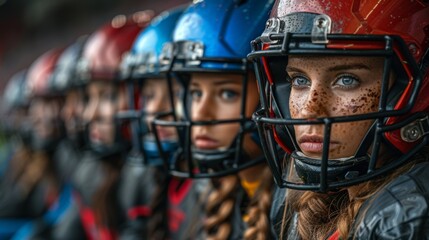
<point>192,62</point>
<point>135,68</point>
<point>133,116</point>
<point>297,44</point>
<point>276,159</point>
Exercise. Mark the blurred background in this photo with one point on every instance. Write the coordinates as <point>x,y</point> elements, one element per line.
<point>28,28</point>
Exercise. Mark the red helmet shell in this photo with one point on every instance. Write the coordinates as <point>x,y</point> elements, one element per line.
<point>103,52</point>
<point>40,73</point>
<point>407,19</point>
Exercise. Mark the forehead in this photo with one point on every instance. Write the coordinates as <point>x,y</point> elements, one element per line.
<point>100,86</point>
<point>336,62</point>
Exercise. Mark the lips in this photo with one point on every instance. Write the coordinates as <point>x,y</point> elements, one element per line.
<point>95,136</point>
<point>205,142</point>
<point>314,143</point>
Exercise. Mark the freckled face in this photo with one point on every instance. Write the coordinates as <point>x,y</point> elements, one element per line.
<point>330,87</point>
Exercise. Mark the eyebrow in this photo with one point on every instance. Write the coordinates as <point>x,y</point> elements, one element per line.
<point>336,67</point>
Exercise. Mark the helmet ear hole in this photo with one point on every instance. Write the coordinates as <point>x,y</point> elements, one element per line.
<point>400,82</point>
<point>280,93</point>
<point>284,134</point>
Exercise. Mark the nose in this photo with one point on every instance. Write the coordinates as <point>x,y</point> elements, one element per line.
<point>90,111</point>
<point>35,112</point>
<point>66,111</point>
<point>316,102</point>
<point>161,104</point>
<point>204,109</point>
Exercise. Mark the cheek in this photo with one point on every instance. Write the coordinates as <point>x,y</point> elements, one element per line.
<point>79,108</point>
<point>50,111</point>
<point>107,111</point>
<point>194,107</point>
<point>230,111</point>
<point>350,135</point>
<point>122,101</point>
<point>226,133</point>
<point>296,103</point>
<point>67,110</point>
<point>149,106</point>
<point>366,102</point>
<point>107,132</point>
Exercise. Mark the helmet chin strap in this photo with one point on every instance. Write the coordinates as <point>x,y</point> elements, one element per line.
<point>223,161</point>
<point>104,151</point>
<point>216,162</point>
<point>151,152</point>
<point>309,169</point>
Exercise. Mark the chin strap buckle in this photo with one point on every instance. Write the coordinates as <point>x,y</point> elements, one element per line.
<point>415,130</point>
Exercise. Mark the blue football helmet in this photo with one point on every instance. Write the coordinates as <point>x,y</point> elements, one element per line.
<point>213,37</point>
<point>141,64</point>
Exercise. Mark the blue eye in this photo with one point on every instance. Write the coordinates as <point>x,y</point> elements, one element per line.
<point>300,81</point>
<point>229,94</point>
<point>347,81</point>
<point>195,94</point>
<point>148,97</point>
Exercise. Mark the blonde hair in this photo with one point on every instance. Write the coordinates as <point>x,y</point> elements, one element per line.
<point>259,209</point>
<point>220,206</point>
<point>221,202</point>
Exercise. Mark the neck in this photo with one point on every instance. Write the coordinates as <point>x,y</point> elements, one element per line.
<point>250,179</point>
<point>251,174</point>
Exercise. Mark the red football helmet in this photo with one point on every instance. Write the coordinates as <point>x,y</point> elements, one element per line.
<point>397,31</point>
<point>101,60</point>
<point>105,48</point>
<point>39,75</point>
<point>45,102</point>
